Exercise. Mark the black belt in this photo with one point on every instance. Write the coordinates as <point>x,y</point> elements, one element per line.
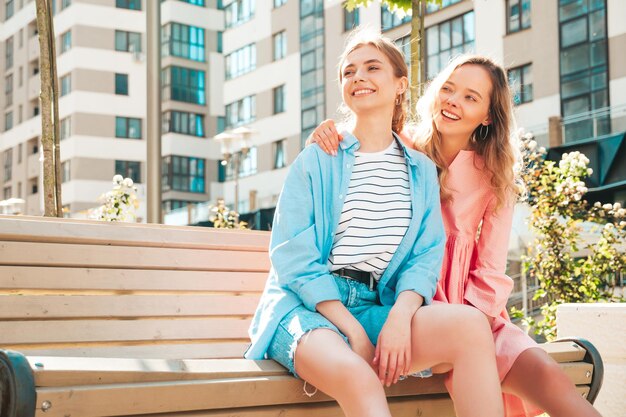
<point>361,276</point>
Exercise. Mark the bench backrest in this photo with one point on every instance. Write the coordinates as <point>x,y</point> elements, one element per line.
<point>87,288</point>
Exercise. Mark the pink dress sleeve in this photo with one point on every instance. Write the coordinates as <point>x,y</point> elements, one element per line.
<point>488,287</point>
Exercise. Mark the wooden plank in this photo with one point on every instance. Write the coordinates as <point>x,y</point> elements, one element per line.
<point>422,406</point>
<point>26,277</point>
<point>162,397</point>
<point>129,257</point>
<point>147,350</point>
<point>564,351</point>
<point>40,229</point>
<point>579,372</point>
<point>124,306</point>
<point>58,372</point>
<point>74,331</point>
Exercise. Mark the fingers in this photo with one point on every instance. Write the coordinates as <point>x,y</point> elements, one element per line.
<point>392,370</point>
<point>407,362</point>
<point>321,142</point>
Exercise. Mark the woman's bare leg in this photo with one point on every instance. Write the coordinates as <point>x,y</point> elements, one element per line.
<point>458,336</point>
<point>325,360</point>
<point>538,379</point>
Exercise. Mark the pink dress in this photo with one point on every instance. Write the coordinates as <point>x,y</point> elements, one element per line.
<point>473,269</point>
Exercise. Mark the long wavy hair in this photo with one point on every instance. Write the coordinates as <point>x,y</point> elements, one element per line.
<point>362,37</point>
<point>497,148</point>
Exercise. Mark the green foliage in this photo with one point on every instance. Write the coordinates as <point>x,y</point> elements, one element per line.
<point>568,269</point>
<point>401,7</point>
<point>225,218</point>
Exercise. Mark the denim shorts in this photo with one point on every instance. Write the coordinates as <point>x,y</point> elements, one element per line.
<point>360,301</point>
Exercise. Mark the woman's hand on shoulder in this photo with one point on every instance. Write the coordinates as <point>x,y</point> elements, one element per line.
<point>326,137</point>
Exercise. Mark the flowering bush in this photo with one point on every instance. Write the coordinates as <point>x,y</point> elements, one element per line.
<point>555,192</point>
<point>225,218</point>
<point>119,204</point>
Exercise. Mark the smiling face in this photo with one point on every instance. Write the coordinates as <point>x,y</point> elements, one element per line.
<point>464,101</point>
<point>368,82</point>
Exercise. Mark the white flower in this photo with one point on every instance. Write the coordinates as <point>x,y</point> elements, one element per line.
<point>542,150</point>
<point>589,171</point>
<point>532,145</point>
<point>617,206</point>
<point>608,206</point>
<point>127,182</point>
<point>621,212</point>
<point>609,226</point>
<point>117,179</point>
<point>597,204</point>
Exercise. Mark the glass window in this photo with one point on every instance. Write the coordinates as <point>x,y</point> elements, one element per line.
<point>8,53</point>
<point>280,154</point>
<point>8,164</point>
<point>350,19</point>
<point>242,61</point>
<point>182,173</point>
<point>127,41</point>
<point>518,15</point>
<point>194,2</point>
<point>432,7</point>
<point>241,112</point>
<point>8,90</point>
<point>66,84</point>
<point>8,121</point>
<point>521,81</point>
<point>184,84</point>
<point>121,84</point>
<point>389,20</point>
<point>574,32</point>
<point>280,45</point>
<point>448,39</point>
<point>66,41</point>
<point>66,171</point>
<point>65,129</point>
<point>247,166</point>
<point>128,4</point>
<point>183,41</point>
<point>279,99</point>
<point>238,12</point>
<point>65,4</point>
<point>9,9</point>
<point>129,169</point>
<point>184,123</point>
<point>127,127</point>
<point>278,3</point>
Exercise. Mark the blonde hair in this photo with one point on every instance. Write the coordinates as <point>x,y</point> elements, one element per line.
<point>363,37</point>
<point>496,148</point>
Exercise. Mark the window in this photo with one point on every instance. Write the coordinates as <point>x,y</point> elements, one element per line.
<point>8,90</point>
<point>447,40</point>
<point>241,61</point>
<point>9,9</point>
<point>65,4</point>
<point>129,169</point>
<point>19,190</point>
<point>8,165</point>
<point>66,84</point>
<point>238,12</point>
<point>181,173</point>
<point>34,189</point>
<point>7,192</point>
<point>127,41</point>
<point>8,54</point>
<point>171,205</point>
<point>350,19</point>
<point>21,38</point>
<point>280,45</point>
<point>184,122</point>
<point>521,80</point>
<point>278,3</point>
<point>194,2</point>
<point>241,112</point>
<point>247,167</point>
<point>127,127</point>
<point>183,41</point>
<point>66,41</point>
<point>66,171</point>
<point>279,99</point>
<point>65,129</point>
<point>517,15</point>
<point>220,42</point>
<point>183,84</point>
<point>433,7</point>
<point>20,151</point>
<point>121,84</point>
<point>280,154</point>
<point>128,4</point>
<point>20,114</point>
<point>8,121</point>
<point>389,20</point>
<point>21,76</point>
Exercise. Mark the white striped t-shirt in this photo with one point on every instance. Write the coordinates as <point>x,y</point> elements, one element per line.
<point>376,212</point>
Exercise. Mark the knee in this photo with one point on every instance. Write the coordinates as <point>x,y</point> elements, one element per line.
<point>472,328</point>
<point>550,372</point>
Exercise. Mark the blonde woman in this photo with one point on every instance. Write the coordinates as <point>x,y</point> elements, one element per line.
<point>466,128</point>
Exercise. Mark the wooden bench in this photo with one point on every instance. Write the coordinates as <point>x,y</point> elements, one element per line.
<point>101,319</point>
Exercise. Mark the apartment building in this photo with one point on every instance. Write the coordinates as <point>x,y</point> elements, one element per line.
<point>100,47</point>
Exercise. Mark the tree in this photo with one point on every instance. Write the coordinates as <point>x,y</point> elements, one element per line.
<point>49,111</point>
<point>417,9</point>
<point>568,269</point>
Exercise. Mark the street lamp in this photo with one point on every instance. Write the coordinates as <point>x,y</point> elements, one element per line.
<point>235,145</point>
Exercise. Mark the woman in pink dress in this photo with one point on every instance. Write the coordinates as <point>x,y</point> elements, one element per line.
<point>466,129</point>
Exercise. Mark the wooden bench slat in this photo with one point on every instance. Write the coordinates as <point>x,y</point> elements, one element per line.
<point>59,278</point>
<point>130,257</point>
<point>62,331</point>
<point>40,229</point>
<point>425,406</point>
<point>110,306</point>
<point>564,351</point>
<point>161,397</point>
<point>579,372</point>
<point>147,350</point>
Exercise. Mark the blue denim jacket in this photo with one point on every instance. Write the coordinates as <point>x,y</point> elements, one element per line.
<point>304,225</point>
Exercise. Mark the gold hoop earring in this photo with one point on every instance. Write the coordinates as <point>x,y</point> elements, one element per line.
<point>483,133</point>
